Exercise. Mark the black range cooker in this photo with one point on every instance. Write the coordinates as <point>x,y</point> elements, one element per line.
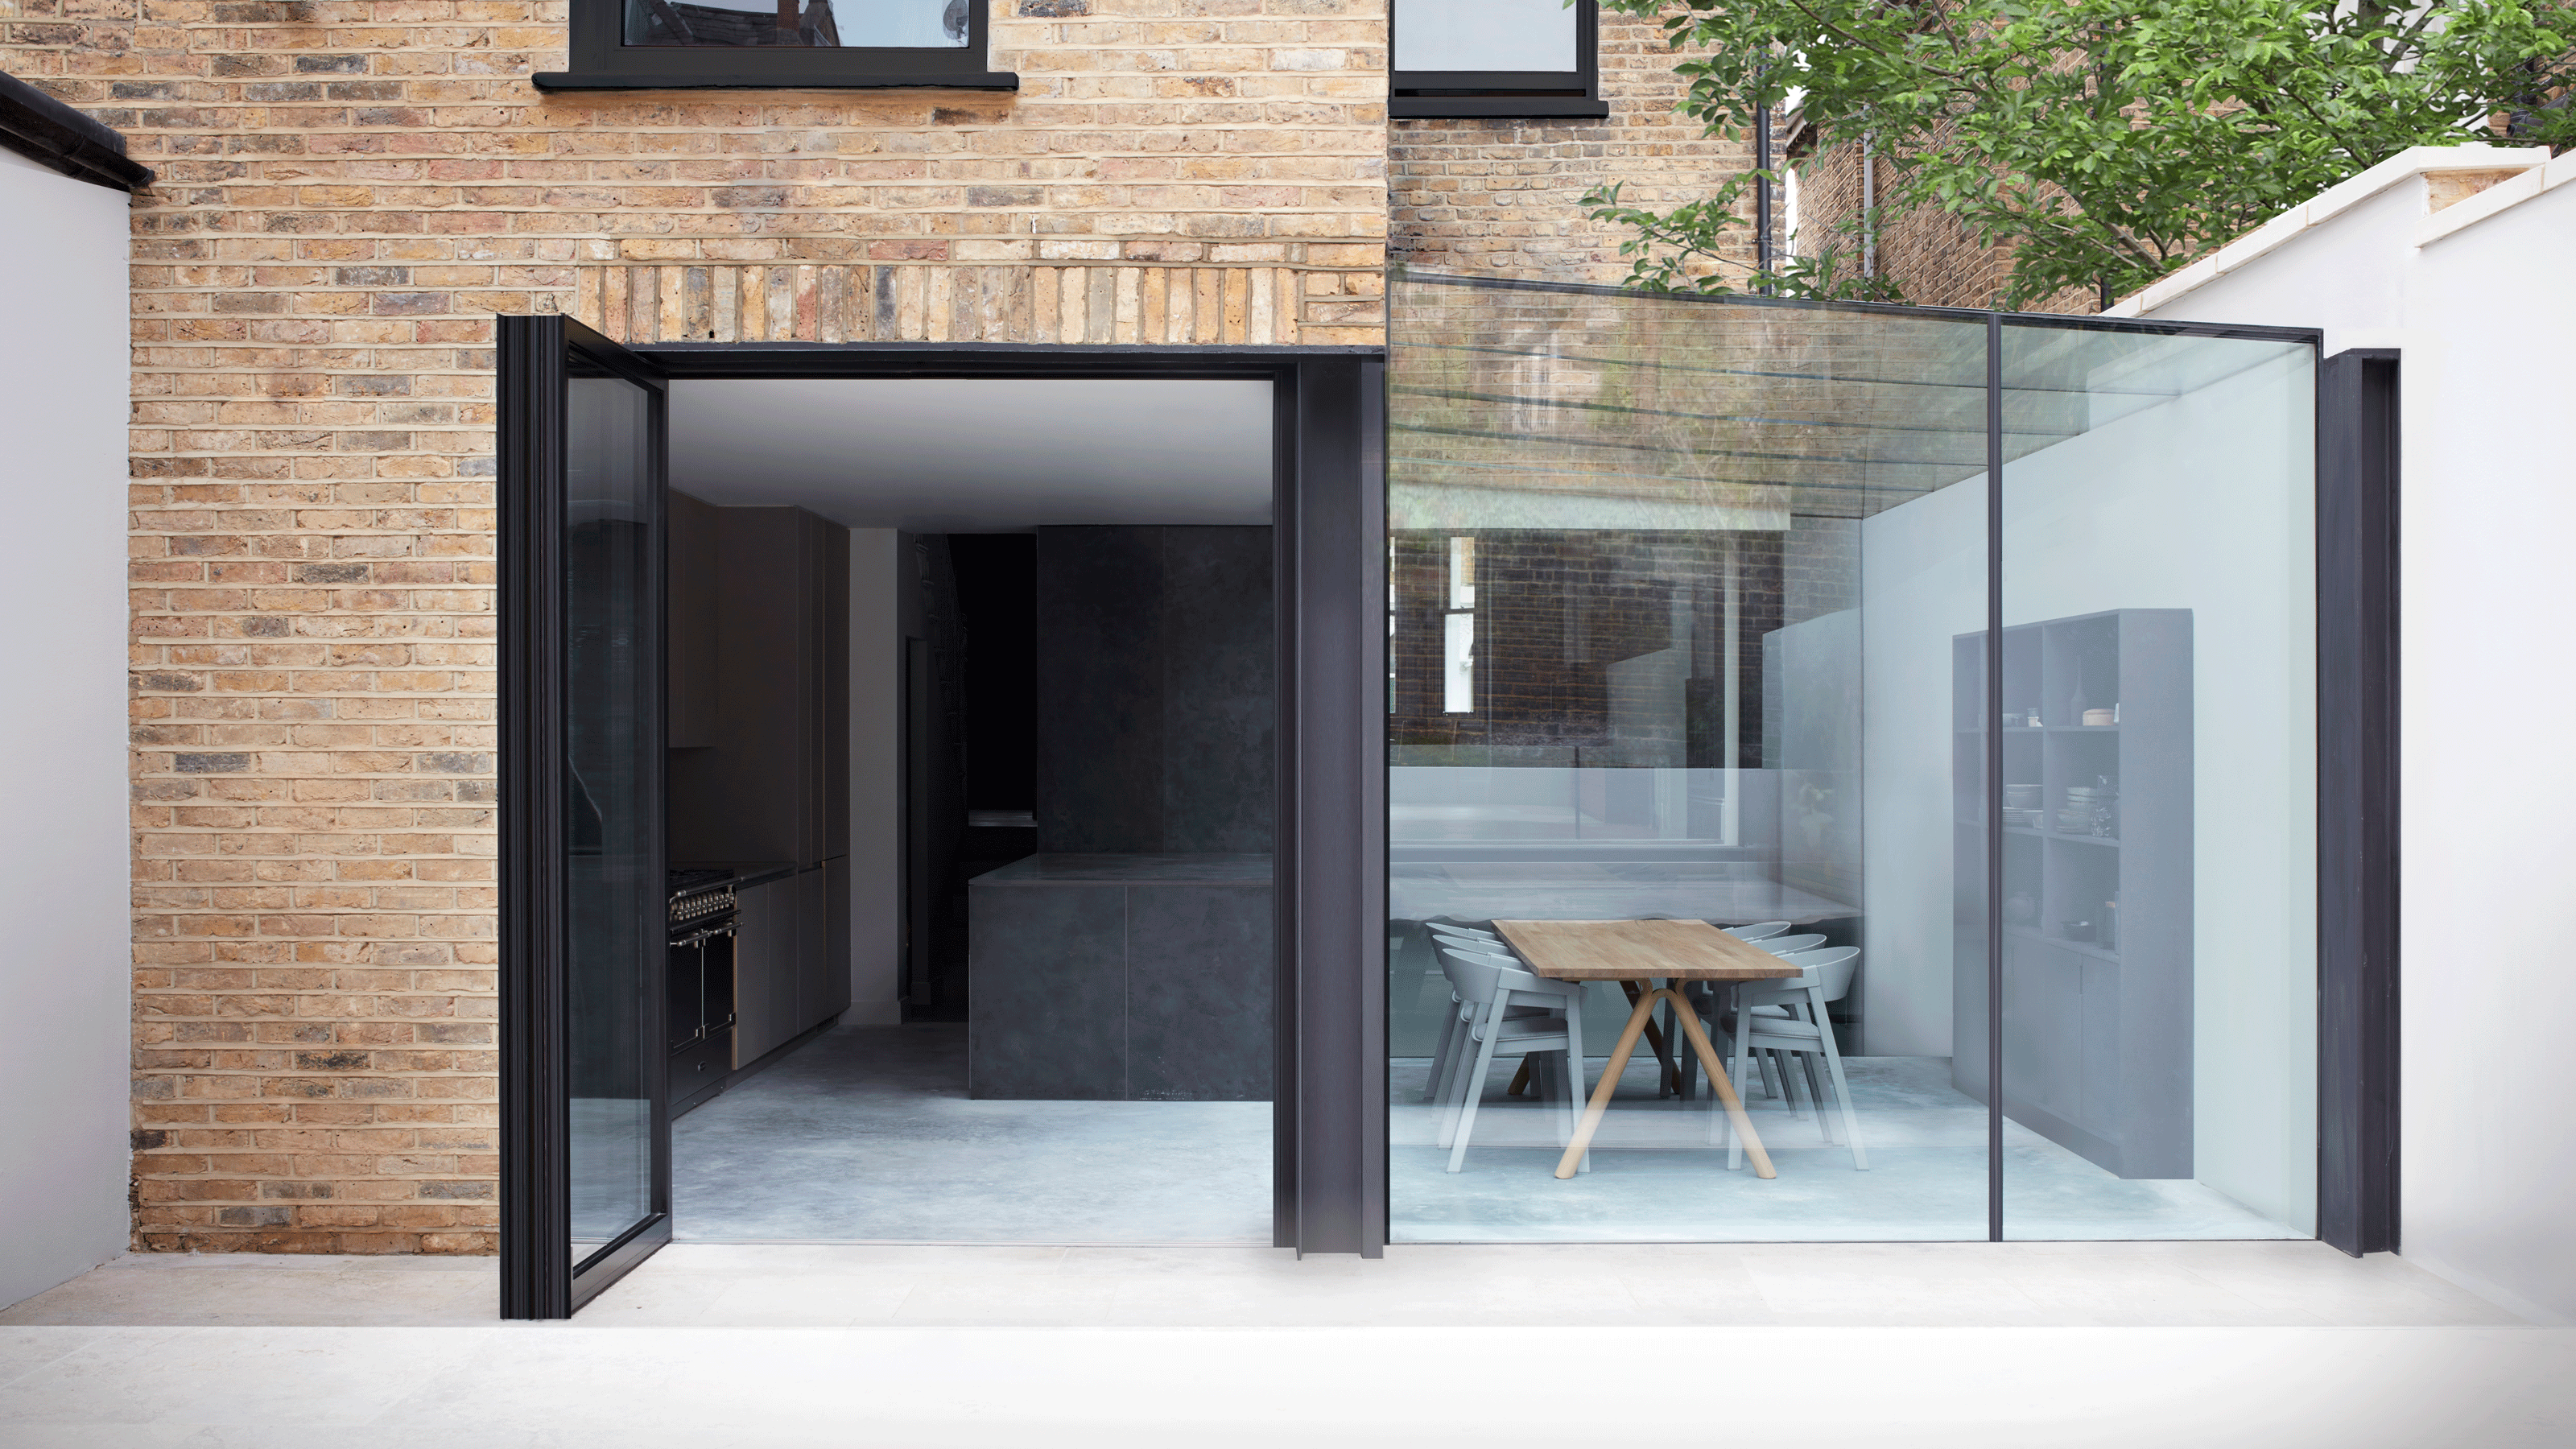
<point>699,1018</point>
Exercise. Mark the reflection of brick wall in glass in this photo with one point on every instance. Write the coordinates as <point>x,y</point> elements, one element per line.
<point>1560,619</point>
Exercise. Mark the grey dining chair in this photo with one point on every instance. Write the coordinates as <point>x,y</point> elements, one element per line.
<point>1805,1033</point>
<point>1551,1039</point>
<point>1453,1027</point>
<point>1710,999</point>
<point>1759,930</point>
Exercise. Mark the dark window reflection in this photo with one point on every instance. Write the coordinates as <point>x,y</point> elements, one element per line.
<point>871,24</point>
<point>612,688</point>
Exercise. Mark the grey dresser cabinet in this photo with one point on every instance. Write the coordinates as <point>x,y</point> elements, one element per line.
<point>2098,955</point>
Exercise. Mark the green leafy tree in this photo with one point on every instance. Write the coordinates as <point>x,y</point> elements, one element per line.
<point>2108,142</point>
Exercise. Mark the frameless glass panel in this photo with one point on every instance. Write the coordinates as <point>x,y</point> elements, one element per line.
<point>1672,644</point>
<point>2159,1008</point>
<point>1505,35</point>
<point>894,24</point>
<point>612,702</point>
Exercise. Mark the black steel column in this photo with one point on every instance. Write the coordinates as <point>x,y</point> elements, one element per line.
<point>536,1226</point>
<point>1994,779</point>
<point>2358,478</point>
<point>1331,1091</point>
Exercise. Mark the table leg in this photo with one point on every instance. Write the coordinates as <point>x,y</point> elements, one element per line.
<point>1669,1082</point>
<point>1725,1085</point>
<point>1619,1055</point>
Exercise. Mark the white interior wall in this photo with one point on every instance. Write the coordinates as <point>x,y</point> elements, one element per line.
<point>2482,313</point>
<point>876,779</point>
<point>64,982</point>
<point>2177,506</point>
<point>1923,581</point>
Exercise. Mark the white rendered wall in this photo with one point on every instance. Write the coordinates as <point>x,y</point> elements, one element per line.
<point>64,981</point>
<point>2483,316</point>
<point>876,779</point>
<point>2179,506</point>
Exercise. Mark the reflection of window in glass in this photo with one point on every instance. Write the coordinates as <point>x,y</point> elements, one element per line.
<point>1458,656</point>
<point>1506,35</point>
<point>1460,670</point>
<point>861,24</point>
<point>1394,611</point>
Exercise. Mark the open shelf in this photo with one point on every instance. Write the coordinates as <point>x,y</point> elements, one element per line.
<point>2080,948</point>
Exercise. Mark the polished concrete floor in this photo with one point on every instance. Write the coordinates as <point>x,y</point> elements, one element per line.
<point>1656,1176</point>
<point>2265,1345</point>
<point>866,1134</point>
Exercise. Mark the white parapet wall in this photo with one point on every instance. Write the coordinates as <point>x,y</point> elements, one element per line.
<point>2464,259</point>
<point>64,983</point>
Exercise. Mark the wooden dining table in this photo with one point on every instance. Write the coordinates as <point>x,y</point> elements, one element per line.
<point>1653,958</point>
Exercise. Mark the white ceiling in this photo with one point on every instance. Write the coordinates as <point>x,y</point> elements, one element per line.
<point>947,455</point>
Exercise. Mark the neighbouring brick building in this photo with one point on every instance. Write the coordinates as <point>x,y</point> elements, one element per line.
<point>348,192</point>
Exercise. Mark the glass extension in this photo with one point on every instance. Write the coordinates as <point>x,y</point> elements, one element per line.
<point>1692,603</point>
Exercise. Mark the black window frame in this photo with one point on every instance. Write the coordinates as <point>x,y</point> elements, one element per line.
<point>603,61</point>
<point>1526,94</point>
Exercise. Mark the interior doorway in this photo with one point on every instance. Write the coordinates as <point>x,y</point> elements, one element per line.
<point>626,1012</point>
<point>1043,709</point>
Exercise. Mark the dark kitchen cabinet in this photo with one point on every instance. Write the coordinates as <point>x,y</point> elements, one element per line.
<point>773,781</point>
<point>793,964</point>
<point>768,777</point>
<point>691,637</point>
<point>764,970</point>
<point>824,989</point>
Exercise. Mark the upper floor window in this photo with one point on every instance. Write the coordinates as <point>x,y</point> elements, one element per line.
<point>1496,58</point>
<point>777,44</point>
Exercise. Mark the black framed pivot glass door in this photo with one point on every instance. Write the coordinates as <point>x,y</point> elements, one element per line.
<point>586,1151</point>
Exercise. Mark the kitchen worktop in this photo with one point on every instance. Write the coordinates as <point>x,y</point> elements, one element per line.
<point>1130,870</point>
<point>745,872</point>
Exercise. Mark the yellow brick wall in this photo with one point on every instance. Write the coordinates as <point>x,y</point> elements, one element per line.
<point>348,191</point>
<point>1504,197</point>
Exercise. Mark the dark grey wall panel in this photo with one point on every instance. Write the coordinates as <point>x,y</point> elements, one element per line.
<point>1100,690</point>
<point>1156,689</point>
<point>1220,700</point>
<point>1198,993</point>
<point>1050,993</point>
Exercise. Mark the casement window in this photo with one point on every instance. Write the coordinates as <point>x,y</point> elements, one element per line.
<point>778,45</point>
<point>1496,58</point>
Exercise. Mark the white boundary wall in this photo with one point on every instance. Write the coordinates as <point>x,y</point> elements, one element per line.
<point>64,982</point>
<point>2481,299</point>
